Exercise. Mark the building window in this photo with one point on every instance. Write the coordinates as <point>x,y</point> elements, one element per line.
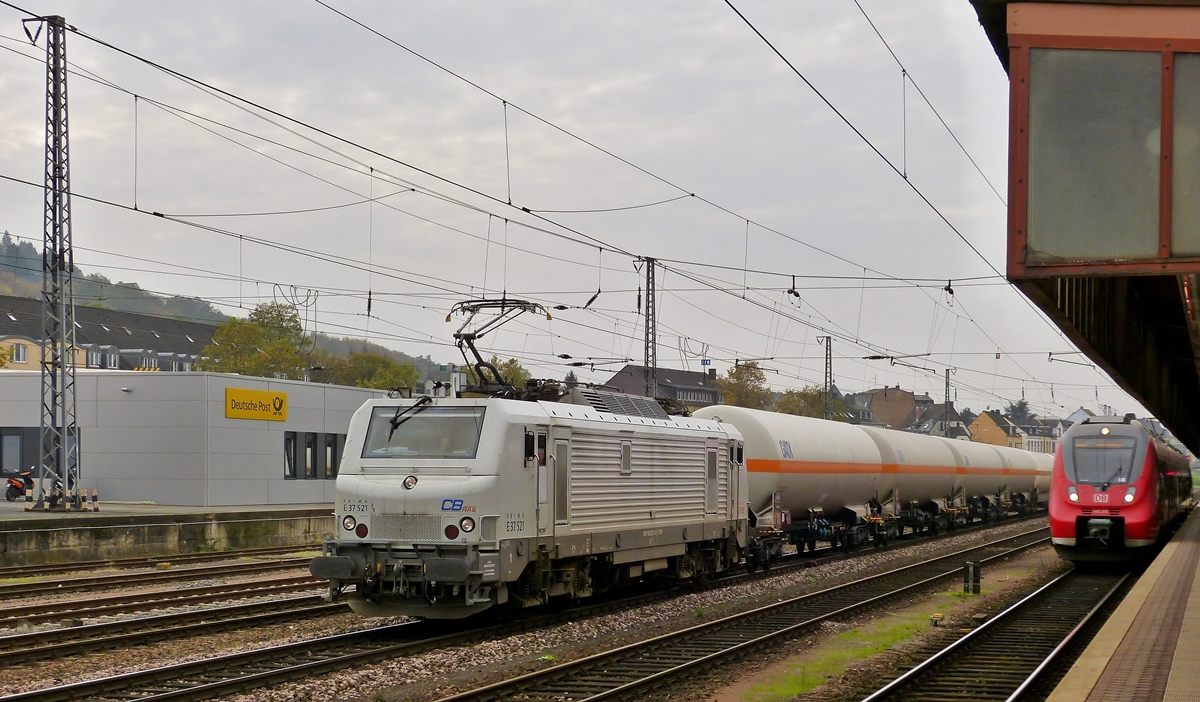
<point>333,454</point>
<point>19,353</point>
<point>310,455</point>
<point>289,455</point>
<point>94,359</point>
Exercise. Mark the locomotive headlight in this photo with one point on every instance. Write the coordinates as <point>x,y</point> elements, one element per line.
<point>410,482</point>
<point>348,522</point>
<point>1130,492</point>
<point>467,524</point>
<point>1072,493</point>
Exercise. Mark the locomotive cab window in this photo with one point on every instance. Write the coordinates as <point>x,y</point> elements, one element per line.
<point>425,431</point>
<point>1098,460</point>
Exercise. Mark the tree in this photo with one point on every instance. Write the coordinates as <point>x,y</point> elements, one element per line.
<point>280,322</point>
<point>5,353</point>
<point>511,370</point>
<point>571,380</point>
<point>388,374</point>
<point>967,416</point>
<point>810,402</point>
<point>745,385</point>
<point>1018,412</point>
<point>268,349</point>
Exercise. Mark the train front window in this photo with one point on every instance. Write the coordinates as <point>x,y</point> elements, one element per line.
<point>1099,460</point>
<point>425,432</point>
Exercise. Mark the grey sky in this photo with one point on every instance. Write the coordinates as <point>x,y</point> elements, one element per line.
<point>682,89</point>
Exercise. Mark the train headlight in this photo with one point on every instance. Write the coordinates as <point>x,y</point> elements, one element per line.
<point>467,524</point>
<point>1072,493</point>
<point>451,532</point>
<point>410,482</point>
<point>361,531</point>
<point>1130,493</point>
<point>348,522</point>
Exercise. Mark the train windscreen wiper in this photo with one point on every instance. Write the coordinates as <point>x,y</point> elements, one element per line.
<point>1108,483</point>
<point>407,413</point>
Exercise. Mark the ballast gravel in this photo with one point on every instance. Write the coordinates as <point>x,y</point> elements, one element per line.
<point>439,673</point>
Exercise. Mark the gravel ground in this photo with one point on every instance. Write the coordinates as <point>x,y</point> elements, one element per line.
<point>435,674</point>
<point>151,609</point>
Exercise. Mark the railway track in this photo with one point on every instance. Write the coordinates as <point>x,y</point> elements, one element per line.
<point>43,569</point>
<point>124,580</point>
<point>234,673</point>
<point>20,649</point>
<point>141,601</point>
<point>1005,658</point>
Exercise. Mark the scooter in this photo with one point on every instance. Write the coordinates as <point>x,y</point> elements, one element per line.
<point>16,488</point>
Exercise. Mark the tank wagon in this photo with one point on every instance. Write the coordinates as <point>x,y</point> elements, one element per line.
<point>814,480</point>
<point>1114,489</point>
<point>447,506</point>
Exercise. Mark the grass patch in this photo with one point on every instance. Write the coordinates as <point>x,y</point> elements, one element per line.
<point>831,658</point>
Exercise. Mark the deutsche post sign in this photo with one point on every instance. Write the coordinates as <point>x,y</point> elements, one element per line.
<point>241,403</point>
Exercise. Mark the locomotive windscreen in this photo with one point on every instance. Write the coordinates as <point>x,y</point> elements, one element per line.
<point>1103,459</point>
<point>425,431</point>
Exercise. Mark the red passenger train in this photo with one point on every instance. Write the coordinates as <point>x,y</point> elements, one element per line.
<point>1114,490</point>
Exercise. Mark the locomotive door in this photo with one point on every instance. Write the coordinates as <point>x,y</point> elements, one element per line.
<point>560,464</point>
<point>543,481</point>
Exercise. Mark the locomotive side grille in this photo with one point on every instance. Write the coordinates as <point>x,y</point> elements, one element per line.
<point>487,528</point>
<point>407,527</point>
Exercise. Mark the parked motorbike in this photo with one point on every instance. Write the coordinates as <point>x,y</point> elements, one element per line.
<point>17,486</point>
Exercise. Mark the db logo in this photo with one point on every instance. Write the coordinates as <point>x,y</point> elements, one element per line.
<point>1100,497</point>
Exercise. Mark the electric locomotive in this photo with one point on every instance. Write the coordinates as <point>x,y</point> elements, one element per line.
<point>1114,491</point>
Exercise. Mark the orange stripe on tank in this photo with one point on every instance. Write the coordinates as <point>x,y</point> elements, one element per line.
<point>769,465</point>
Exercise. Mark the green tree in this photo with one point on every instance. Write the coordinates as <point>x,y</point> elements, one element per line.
<point>511,370</point>
<point>389,375</point>
<point>248,347</point>
<point>810,402</point>
<point>745,385</point>
<point>280,322</point>
<point>1018,411</point>
<point>967,416</point>
<point>6,352</point>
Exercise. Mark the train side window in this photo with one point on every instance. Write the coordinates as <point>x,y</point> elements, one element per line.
<point>710,482</point>
<point>541,448</point>
<point>562,482</point>
<point>741,459</point>
<point>626,457</point>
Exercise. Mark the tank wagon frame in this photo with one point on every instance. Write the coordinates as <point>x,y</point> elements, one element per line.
<point>449,506</point>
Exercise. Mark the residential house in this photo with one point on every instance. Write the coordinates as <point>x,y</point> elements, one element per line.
<point>104,338</point>
<point>887,407</point>
<point>690,388</point>
<point>931,420</point>
<point>991,427</point>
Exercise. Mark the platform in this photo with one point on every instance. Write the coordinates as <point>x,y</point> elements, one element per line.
<point>134,530</point>
<point>1149,649</point>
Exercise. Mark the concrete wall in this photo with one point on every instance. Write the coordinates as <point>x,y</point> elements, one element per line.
<point>164,437</point>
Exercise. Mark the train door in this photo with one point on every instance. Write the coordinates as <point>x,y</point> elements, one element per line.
<point>560,463</point>
<point>735,470</point>
<point>543,481</point>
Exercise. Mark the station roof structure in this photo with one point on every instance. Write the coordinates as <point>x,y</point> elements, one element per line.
<point>1104,184</point>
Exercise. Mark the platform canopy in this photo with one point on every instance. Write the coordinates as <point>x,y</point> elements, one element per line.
<point>1104,184</point>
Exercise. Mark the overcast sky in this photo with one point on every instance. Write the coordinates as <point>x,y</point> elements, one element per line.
<point>683,91</point>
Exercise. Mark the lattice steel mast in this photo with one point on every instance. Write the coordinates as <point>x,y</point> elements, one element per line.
<point>651,367</point>
<point>828,413</point>
<point>60,449</point>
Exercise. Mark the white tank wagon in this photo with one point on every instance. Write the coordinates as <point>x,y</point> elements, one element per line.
<point>812,479</point>
<point>446,507</point>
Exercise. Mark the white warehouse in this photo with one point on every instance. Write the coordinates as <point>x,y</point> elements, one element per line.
<point>192,439</point>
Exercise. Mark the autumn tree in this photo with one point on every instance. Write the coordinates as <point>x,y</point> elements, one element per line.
<point>385,374</point>
<point>745,385</point>
<point>511,370</point>
<point>810,402</point>
<point>5,353</point>
<point>267,344</point>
